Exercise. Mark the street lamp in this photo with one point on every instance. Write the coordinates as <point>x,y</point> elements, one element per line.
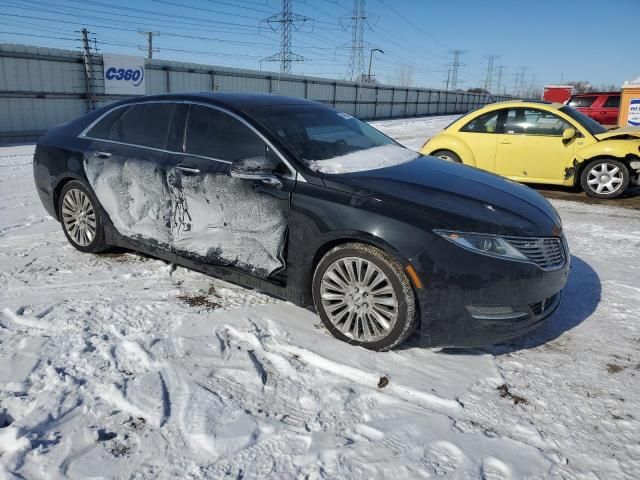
<point>370,60</point>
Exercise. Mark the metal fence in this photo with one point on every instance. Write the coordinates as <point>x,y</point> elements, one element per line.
<point>41,87</point>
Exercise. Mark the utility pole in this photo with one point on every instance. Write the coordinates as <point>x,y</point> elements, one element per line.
<point>284,21</point>
<point>357,22</point>
<point>488,82</point>
<point>88,69</point>
<point>149,48</point>
<point>455,67</point>
<point>370,60</point>
<point>448,79</point>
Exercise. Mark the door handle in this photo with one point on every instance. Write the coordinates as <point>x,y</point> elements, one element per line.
<point>505,142</point>
<point>188,170</point>
<point>103,154</point>
<point>266,179</point>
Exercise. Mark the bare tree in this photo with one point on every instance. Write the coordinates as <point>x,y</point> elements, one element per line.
<point>609,87</point>
<point>581,86</point>
<point>405,78</point>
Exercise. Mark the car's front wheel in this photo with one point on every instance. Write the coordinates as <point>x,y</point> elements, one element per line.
<point>80,218</point>
<point>364,297</point>
<point>605,178</point>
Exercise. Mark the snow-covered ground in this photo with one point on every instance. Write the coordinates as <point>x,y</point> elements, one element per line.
<point>119,365</point>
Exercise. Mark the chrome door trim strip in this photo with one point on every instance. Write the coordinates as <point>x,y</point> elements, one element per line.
<point>294,174</point>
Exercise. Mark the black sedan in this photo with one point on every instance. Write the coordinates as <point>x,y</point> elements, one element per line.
<point>312,205</point>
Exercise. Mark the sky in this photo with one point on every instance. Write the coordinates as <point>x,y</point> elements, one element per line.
<point>550,41</point>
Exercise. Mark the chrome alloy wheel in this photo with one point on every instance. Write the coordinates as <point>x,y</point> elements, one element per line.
<point>359,299</point>
<point>605,178</point>
<point>78,217</point>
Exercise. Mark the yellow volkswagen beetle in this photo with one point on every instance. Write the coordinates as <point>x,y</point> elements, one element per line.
<point>541,142</point>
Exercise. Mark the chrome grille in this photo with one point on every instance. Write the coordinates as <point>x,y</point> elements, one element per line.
<point>547,253</point>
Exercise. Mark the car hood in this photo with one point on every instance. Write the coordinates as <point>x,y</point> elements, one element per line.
<point>623,132</point>
<point>455,196</point>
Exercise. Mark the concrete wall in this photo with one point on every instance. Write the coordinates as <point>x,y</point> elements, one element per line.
<point>41,87</point>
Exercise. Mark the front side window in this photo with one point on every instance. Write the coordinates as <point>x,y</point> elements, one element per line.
<point>528,121</point>
<point>216,134</point>
<point>613,101</point>
<point>582,102</point>
<point>487,123</point>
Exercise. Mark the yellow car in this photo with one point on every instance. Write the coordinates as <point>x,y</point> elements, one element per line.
<point>541,142</point>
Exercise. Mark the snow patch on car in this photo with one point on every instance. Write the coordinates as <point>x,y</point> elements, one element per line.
<point>363,160</point>
<point>215,217</point>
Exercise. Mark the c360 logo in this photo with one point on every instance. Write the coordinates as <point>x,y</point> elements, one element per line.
<point>127,75</point>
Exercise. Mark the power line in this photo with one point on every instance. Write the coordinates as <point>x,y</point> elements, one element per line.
<point>357,22</point>
<point>418,28</point>
<point>488,82</point>
<point>284,22</point>
<point>499,82</point>
<point>455,67</point>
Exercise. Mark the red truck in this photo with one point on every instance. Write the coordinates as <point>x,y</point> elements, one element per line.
<point>603,107</point>
<point>557,93</point>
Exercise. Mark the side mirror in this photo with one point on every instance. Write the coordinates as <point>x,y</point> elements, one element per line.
<point>257,170</point>
<point>568,134</point>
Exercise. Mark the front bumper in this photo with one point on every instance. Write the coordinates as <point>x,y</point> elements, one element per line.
<point>457,284</point>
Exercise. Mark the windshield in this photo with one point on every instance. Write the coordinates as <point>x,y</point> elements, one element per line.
<point>331,141</point>
<point>590,124</point>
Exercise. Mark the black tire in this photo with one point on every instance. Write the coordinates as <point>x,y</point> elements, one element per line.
<point>97,243</point>
<point>598,169</point>
<point>447,155</point>
<point>405,319</point>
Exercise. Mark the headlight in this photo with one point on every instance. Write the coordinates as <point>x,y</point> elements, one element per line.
<point>485,244</point>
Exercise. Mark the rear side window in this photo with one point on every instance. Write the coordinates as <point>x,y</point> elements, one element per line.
<point>613,101</point>
<point>487,123</point>
<point>102,129</point>
<point>582,101</point>
<point>215,134</point>
<point>145,124</point>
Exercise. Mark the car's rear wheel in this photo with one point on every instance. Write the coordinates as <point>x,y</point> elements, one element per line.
<point>605,178</point>
<point>364,297</point>
<point>80,218</point>
<point>447,155</point>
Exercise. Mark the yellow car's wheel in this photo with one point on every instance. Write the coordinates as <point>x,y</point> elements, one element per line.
<point>605,178</point>
<point>447,155</point>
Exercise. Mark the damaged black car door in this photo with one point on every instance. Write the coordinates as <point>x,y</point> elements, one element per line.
<point>125,163</point>
<point>228,192</point>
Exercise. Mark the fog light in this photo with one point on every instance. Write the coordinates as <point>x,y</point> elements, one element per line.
<point>500,313</point>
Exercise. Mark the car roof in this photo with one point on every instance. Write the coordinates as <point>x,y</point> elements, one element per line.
<point>235,100</point>
<point>524,103</point>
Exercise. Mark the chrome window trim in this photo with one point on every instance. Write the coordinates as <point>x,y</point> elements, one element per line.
<point>294,174</point>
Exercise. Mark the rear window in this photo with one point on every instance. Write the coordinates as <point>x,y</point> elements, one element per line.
<point>582,101</point>
<point>145,124</point>
<point>613,101</point>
